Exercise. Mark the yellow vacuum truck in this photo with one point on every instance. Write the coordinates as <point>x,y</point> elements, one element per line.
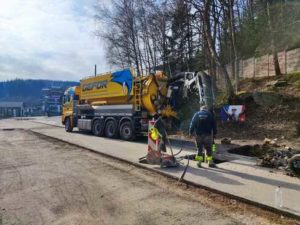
<point>121,104</point>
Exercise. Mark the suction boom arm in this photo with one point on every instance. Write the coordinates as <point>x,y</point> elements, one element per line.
<point>203,84</point>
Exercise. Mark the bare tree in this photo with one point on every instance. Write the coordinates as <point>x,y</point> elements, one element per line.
<point>204,8</point>
<point>196,34</point>
<point>273,44</point>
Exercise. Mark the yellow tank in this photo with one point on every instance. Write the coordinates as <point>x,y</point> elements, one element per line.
<point>123,87</point>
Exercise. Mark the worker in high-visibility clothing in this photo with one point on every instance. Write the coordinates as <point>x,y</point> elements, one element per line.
<point>203,126</point>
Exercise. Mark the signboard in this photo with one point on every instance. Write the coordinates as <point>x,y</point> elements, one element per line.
<point>233,113</point>
<point>116,84</point>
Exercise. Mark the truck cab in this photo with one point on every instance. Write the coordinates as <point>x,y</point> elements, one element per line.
<point>69,111</point>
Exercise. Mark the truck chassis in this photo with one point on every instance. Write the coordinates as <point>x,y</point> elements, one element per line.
<point>112,121</point>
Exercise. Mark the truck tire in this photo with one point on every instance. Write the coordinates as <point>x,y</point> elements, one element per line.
<point>68,125</point>
<point>98,128</point>
<point>111,129</point>
<point>127,131</point>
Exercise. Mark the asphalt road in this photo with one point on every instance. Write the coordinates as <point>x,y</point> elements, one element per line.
<point>45,181</point>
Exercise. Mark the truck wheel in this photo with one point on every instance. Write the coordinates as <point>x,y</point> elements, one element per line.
<point>98,128</point>
<point>68,125</point>
<point>127,131</point>
<point>111,129</point>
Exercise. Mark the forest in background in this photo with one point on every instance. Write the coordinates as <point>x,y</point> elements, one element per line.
<point>193,35</point>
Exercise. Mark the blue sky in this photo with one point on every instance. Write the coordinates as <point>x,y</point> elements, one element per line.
<point>49,39</point>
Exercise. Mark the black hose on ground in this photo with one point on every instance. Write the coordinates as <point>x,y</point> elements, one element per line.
<point>184,171</point>
<point>142,159</point>
<point>188,158</point>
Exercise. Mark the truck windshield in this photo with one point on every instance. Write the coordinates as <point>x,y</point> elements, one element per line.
<point>66,99</point>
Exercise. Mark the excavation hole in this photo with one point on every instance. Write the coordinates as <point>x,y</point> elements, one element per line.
<point>246,150</point>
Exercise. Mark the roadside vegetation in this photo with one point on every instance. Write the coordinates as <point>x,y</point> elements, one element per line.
<point>192,35</point>
<point>213,35</point>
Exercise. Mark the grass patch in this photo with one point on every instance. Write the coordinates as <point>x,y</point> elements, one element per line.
<point>293,77</point>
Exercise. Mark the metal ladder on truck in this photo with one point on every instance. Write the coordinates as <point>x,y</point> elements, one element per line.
<point>137,94</point>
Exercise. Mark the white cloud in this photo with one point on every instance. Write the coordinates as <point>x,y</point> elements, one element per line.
<point>49,39</point>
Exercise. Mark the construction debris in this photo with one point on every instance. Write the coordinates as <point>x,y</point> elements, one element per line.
<point>226,141</point>
<point>287,148</point>
<point>267,141</point>
<point>275,159</point>
<point>287,160</point>
<point>272,142</point>
<point>294,164</point>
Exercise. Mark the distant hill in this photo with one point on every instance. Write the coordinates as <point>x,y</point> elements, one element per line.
<point>28,91</point>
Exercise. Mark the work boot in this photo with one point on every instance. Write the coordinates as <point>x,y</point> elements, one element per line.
<point>210,162</point>
<point>199,164</point>
<point>199,158</point>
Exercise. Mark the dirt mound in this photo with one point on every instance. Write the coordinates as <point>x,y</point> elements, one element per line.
<point>272,111</point>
